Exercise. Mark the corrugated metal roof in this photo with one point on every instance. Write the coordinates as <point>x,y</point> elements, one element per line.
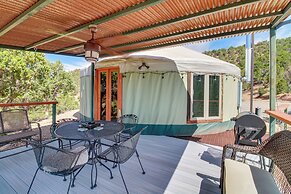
<point>138,30</point>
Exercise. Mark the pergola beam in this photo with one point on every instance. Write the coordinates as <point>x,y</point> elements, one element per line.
<point>32,50</point>
<point>194,15</point>
<point>279,19</point>
<point>201,29</point>
<point>199,39</point>
<point>25,15</point>
<point>272,79</point>
<point>124,12</point>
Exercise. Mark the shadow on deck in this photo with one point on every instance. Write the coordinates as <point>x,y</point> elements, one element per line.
<point>172,166</point>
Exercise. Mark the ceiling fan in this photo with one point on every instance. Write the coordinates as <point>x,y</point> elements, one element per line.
<point>92,48</point>
<point>93,43</point>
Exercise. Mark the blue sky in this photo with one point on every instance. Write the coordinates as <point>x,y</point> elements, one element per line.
<point>71,63</point>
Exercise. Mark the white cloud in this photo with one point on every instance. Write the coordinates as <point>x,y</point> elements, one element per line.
<point>200,47</point>
<point>261,36</point>
<point>284,31</point>
<point>78,65</point>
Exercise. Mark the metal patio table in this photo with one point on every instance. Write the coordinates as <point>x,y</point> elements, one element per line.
<point>71,131</point>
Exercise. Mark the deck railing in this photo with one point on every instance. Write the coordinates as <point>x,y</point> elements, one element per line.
<point>281,116</point>
<point>27,104</point>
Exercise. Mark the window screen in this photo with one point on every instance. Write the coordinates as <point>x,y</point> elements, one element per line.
<point>198,96</point>
<point>213,96</point>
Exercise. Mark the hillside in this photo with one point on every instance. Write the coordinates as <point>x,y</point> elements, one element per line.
<point>236,55</point>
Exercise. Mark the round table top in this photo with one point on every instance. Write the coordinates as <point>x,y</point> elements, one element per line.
<point>70,131</point>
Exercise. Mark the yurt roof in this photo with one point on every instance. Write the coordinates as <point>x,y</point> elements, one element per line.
<point>179,59</point>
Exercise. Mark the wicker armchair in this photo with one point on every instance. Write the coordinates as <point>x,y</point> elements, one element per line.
<point>120,153</point>
<point>276,148</point>
<point>59,162</point>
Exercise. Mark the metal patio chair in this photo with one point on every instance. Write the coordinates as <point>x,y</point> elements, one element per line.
<point>63,122</point>
<point>15,126</point>
<point>120,153</point>
<point>130,121</point>
<point>59,162</point>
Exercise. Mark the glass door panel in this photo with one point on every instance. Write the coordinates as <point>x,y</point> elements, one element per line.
<point>107,94</point>
<point>114,95</point>
<point>103,97</point>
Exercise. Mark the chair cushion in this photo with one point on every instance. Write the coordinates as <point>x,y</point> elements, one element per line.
<point>60,161</point>
<point>240,178</point>
<point>17,136</point>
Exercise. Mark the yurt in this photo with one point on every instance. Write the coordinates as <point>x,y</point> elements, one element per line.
<point>174,91</point>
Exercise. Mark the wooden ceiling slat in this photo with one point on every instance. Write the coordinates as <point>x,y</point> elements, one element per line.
<point>166,24</point>
<point>96,22</point>
<point>24,15</point>
<point>219,35</point>
<point>198,14</point>
<point>219,30</point>
<point>202,28</point>
<point>279,19</point>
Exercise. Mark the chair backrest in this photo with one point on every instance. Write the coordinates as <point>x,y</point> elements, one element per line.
<point>65,121</point>
<point>277,148</point>
<point>127,148</point>
<point>128,119</point>
<point>14,120</point>
<point>53,160</point>
<point>250,126</point>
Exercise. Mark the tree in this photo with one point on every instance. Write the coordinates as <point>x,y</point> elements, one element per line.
<point>236,55</point>
<point>28,77</point>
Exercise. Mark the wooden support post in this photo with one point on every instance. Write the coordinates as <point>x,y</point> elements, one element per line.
<point>252,72</point>
<point>92,90</point>
<point>272,80</point>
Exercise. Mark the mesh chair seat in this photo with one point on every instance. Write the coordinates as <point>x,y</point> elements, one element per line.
<point>119,154</point>
<point>118,138</point>
<point>17,136</point>
<point>58,161</point>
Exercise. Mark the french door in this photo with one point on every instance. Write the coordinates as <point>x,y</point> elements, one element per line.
<point>108,94</point>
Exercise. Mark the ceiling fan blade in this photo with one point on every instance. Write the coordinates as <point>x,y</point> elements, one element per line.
<point>112,51</point>
<point>109,50</point>
<point>70,37</point>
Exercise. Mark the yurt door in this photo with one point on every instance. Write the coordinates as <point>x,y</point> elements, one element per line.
<point>107,94</point>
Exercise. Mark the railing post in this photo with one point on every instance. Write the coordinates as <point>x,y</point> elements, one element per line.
<point>54,119</point>
<point>272,80</point>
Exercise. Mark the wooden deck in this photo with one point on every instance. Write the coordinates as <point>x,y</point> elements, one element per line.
<point>172,166</point>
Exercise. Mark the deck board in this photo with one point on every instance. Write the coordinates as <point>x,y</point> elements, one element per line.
<point>172,166</point>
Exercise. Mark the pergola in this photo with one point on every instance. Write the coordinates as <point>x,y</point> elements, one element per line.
<point>62,26</point>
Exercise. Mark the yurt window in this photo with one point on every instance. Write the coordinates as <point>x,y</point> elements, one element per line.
<point>206,96</point>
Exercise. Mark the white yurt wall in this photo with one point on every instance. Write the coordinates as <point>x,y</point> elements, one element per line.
<point>85,93</point>
<point>230,95</point>
<point>155,98</point>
